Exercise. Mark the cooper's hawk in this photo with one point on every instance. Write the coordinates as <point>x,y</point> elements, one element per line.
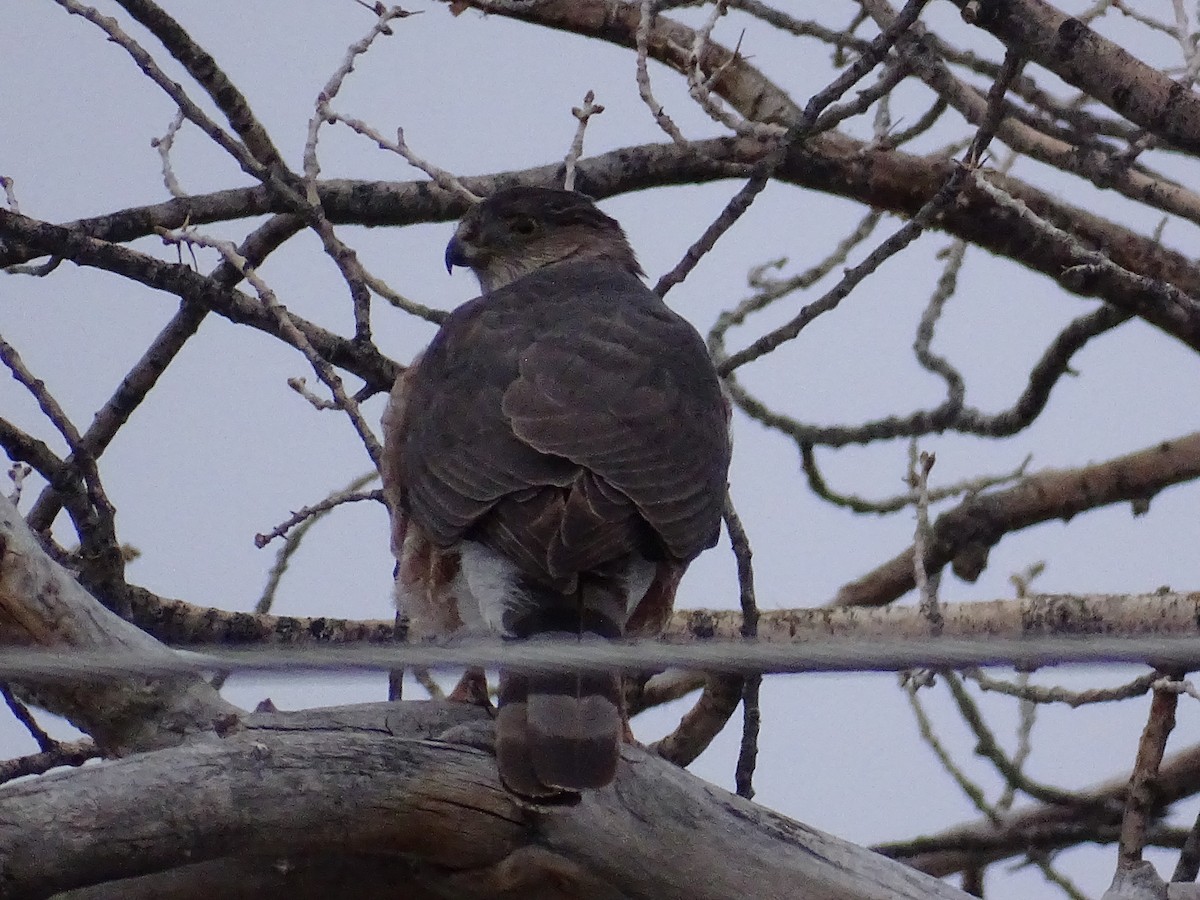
<point>554,460</point>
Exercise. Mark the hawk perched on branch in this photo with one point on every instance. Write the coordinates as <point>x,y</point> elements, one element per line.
<point>554,460</point>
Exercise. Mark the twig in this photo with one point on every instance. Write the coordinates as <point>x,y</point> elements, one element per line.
<point>912,229</point>
<point>946,285</point>
<point>444,179</point>
<point>1054,363</point>
<point>968,486</point>
<point>300,386</point>
<point>700,86</point>
<point>829,301</point>
<point>907,233</point>
<point>321,112</point>
<point>969,788</point>
<point>306,519</point>
<point>163,350</point>
<point>380,287</point>
<point>62,480</point>
<point>919,466</point>
<point>988,747</point>
<point>1009,70</point>
<point>1027,718</point>
<point>163,145</point>
<point>892,75</point>
<point>751,710</point>
<point>73,753</point>
<point>770,290</point>
<point>583,114</point>
<point>733,210</point>
<point>924,123</point>
<point>872,55</point>
<point>318,510</point>
<point>343,256</point>
<point>97,533</point>
<point>665,122</point>
<point>204,69</point>
<point>235,148</point>
<point>843,39</point>
<point>1055,877</point>
<point>290,333</point>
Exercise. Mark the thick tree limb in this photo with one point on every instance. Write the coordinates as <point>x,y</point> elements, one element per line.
<point>1097,66</point>
<point>313,876</point>
<point>282,789</point>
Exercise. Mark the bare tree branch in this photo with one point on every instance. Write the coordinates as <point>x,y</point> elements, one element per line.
<point>430,800</point>
<point>964,535</point>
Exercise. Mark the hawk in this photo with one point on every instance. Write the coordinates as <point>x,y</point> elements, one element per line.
<point>553,461</point>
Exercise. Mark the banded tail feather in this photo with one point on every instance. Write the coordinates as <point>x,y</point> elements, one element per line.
<point>562,731</point>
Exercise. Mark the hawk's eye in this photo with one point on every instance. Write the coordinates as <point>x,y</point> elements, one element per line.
<point>523,225</point>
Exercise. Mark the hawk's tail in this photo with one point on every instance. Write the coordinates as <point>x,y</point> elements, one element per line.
<point>562,731</point>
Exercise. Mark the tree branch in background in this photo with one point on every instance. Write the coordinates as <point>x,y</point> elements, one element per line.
<point>964,535</point>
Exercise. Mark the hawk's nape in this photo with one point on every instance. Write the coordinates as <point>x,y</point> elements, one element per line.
<point>553,460</point>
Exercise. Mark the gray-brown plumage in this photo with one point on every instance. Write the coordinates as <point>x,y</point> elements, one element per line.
<point>554,460</point>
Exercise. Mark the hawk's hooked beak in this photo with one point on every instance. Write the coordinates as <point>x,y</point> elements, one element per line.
<point>456,254</point>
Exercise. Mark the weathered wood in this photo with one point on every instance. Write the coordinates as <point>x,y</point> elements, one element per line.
<point>347,783</point>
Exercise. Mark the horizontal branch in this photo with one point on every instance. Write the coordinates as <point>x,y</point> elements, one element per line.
<point>280,788</point>
<point>965,534</point>
<point>1158,630</point>
<point>1164,614</point>
<point>741,656</point>
<point>832,163</point>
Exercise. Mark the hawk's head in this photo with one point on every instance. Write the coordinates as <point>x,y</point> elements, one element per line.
<point>519,230</point>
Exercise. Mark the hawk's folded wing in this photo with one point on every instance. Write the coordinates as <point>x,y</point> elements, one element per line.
<point>571,403</point>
